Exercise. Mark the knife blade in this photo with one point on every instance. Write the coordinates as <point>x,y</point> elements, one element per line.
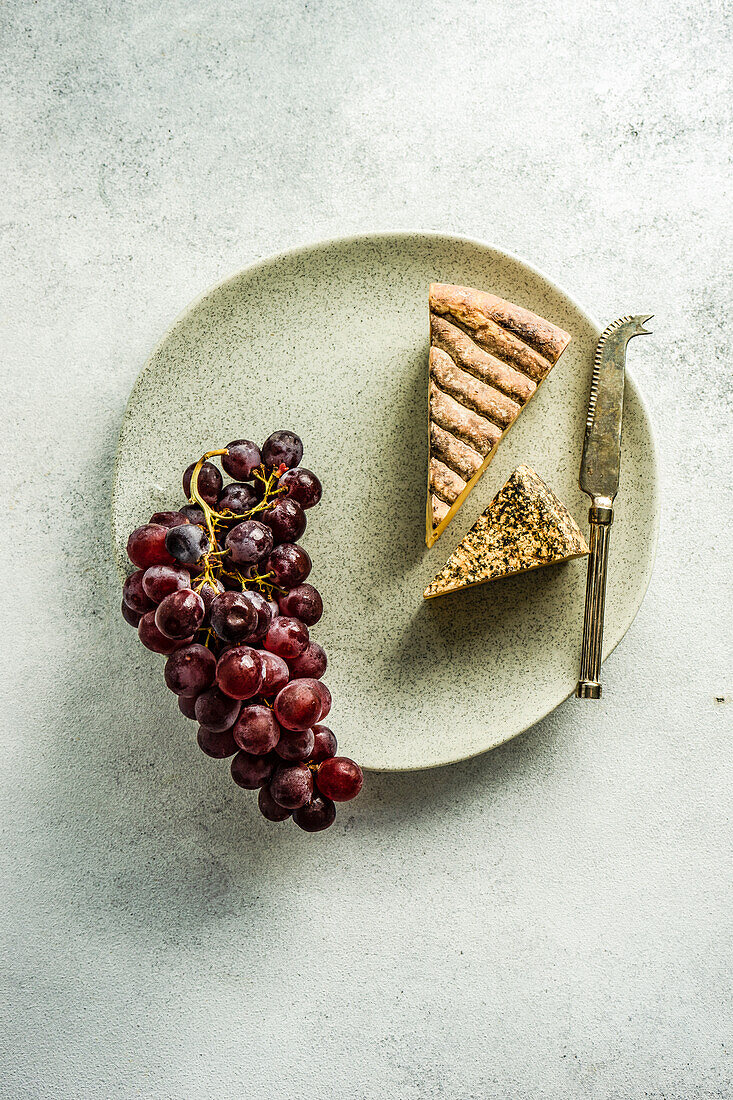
<point>601,462</point>
<point>600,469</point>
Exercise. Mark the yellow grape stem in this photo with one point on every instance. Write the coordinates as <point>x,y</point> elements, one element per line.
<point>213,563</point>
<point>209,514</point>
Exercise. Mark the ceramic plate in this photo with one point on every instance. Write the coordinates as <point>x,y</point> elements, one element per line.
<point>331,340</point>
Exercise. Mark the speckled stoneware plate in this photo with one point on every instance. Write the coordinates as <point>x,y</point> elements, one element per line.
<point>331,340</point>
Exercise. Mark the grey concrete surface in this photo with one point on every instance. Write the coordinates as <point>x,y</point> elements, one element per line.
<point>552,920</point>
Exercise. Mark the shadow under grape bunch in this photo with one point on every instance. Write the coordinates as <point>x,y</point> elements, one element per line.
<point>221,589</point>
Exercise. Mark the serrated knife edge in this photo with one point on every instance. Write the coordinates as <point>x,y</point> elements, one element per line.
<point>597,366</point>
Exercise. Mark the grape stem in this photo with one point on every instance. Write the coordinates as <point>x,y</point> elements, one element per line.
<point>196,497</point>
<point>208,575</point>
<point>215,560</point>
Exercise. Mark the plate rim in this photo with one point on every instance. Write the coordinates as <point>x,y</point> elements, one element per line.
<point>396,235</point>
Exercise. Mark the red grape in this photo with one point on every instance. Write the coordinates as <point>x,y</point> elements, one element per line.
<point>251,771</point>
<point>180,614</point>
<point>216,743</point>
<point>209,482</point>
<point>134,594</point>
<point>256,730</point>
<point>249,542</point>
<point>275,673</point>
<point>187,543</point>
<point>160,580</point>
<point>325,696</point>
<point>243,458</point>
<point>146,546</point>
<point>325,744</point>
<point>316,815</point>
<point>233,616</point>
<point>303,486</point>
<point>190,670</point>
<point>170,519</point>
<point>239,672</point>
<point>292,787</point>
<point>311,662</point>
<point>286,519</point>
<point>295,745</point>
<point>298,705</point>
<point>339,778</point>
<point>236,498</point>
<point>303,602</point>
<point>134,617</point>
<point>217,711</point>
<point>208,594</point>
<point>286,637</point>
<point>152,638</point>
<point>269,807</point>
<point>194,514</point>
<point>264,616</point>
<point>187,705</point>
<point>289,565</point>
<point>320,690</point>
<point>282,449</point>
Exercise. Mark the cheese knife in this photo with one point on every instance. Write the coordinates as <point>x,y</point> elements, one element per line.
<point>599,478</point>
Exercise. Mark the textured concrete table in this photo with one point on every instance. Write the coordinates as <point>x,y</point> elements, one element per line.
<point>550,920</point>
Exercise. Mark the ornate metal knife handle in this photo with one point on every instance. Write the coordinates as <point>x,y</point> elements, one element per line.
<point>601,518</point>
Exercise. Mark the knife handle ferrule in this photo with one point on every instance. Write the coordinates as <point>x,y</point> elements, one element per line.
<point>601,513</point>
<point>601,518</point>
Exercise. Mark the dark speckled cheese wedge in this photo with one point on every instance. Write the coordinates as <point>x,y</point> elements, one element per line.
<point>524,527</point>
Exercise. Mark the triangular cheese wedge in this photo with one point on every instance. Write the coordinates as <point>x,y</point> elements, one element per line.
<point>524,527</point>
<point>487,359</point>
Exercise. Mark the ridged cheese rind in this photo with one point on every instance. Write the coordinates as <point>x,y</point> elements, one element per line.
<point>487,359</point>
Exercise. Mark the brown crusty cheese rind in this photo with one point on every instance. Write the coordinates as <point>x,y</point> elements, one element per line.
<point>487,359</point>
<point>525,527</point>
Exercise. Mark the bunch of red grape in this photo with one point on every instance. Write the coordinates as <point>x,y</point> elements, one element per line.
<point>221,589</point>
